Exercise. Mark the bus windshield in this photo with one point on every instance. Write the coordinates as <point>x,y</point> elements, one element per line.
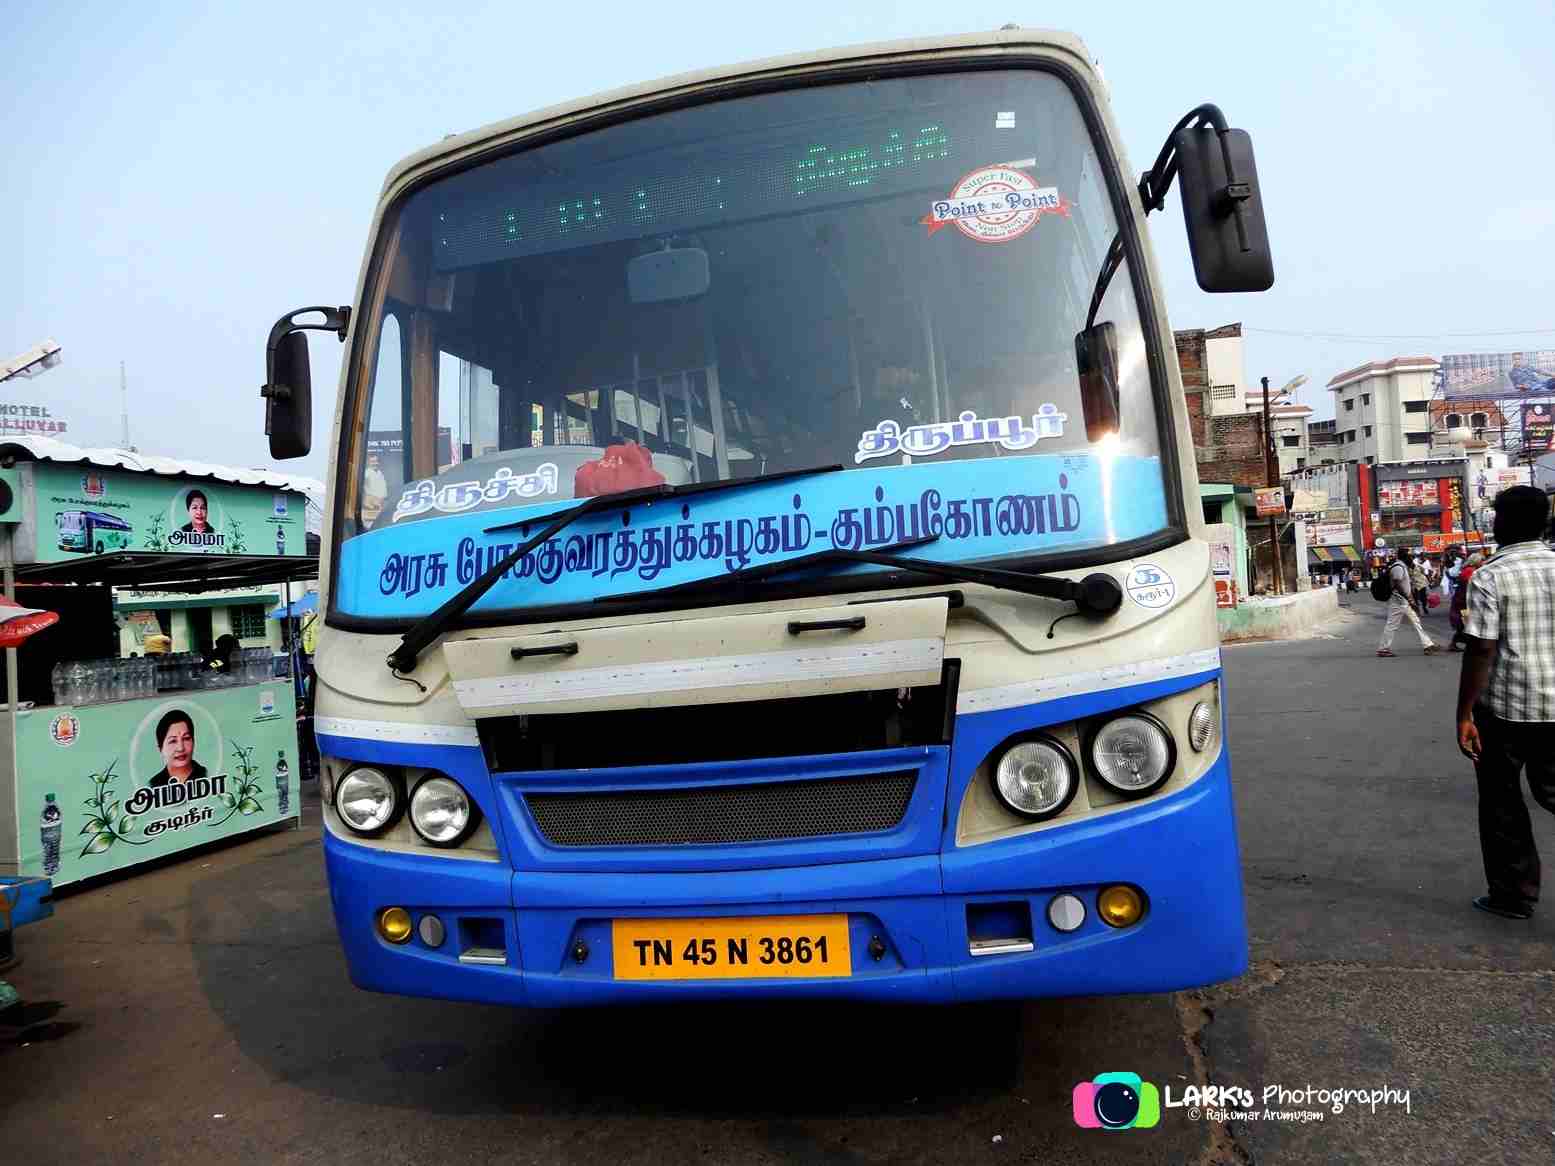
<point>887,275</point>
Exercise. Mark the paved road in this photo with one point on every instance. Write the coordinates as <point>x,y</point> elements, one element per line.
<point>201,1011</point>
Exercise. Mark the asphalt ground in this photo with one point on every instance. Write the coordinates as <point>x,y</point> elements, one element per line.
<point>200,1011</point>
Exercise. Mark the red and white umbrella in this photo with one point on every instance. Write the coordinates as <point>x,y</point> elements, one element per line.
<point>17,623</point>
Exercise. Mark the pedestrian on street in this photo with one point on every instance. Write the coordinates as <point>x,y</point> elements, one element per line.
<point>1401,606</point>
<point>1460,597</point>
<point>1506,697</point>
<point>1419,584</point>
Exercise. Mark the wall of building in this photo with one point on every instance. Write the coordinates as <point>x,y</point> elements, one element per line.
<point>1226,370</point>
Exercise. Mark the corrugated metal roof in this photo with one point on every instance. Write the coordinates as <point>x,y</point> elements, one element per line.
<point>47,449</point>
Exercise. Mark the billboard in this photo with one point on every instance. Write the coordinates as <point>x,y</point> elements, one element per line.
<point>1496,375</point>
<point>1270,501</point>
<point>84,510</point>
<point>1416,494</point>
<point>1538,426</point>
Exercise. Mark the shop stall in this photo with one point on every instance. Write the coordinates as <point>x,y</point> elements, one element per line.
<point>109,757</point>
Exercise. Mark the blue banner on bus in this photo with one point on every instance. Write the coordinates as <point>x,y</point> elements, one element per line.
<point>975,509</point>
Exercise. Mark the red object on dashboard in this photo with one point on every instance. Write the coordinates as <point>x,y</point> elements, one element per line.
<point>621,467</point>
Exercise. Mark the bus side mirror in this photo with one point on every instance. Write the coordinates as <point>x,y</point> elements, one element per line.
<point>288,394</point>
<point>288,387</point>
<point>1096,362</point>
<point>1226,231</point>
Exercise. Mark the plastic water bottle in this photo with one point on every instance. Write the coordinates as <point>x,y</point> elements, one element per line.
<point>77,683</point>
<point>283,782</point>
<point>51,829</point>
<point>280,540</point>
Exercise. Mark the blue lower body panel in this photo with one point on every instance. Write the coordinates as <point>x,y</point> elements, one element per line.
<point>552,930</point>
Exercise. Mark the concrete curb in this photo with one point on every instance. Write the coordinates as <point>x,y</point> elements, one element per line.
<point>1278,617</point>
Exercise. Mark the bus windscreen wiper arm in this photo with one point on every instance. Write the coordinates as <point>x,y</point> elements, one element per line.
<point>1096,594</point>
<point>425,630</point>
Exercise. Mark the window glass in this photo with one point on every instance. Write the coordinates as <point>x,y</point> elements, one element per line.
<point>887,276</point>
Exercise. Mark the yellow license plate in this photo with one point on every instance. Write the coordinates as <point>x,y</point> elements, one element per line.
<point>759,947</point>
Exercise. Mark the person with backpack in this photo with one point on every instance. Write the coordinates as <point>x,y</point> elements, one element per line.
<point>1396,587</point>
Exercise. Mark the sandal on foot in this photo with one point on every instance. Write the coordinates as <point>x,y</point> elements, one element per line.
<point>1505,910</point>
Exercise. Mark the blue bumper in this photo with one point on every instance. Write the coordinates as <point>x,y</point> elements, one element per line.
<point>1181,850</point>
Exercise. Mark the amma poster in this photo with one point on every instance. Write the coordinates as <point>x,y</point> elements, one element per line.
<point>83,510</point>
<point>107,786</point>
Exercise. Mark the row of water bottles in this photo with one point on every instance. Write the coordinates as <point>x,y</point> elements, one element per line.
<point>84,682</point>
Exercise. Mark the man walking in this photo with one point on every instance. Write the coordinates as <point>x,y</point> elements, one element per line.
<point>1506,697</point>
<point>1401,606</point>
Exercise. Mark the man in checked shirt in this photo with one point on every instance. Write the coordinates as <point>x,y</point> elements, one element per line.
<point>1506,697</point>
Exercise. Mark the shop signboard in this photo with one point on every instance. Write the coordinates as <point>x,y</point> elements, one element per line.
<point>1270,501</point>
<point>82,510</point>
<point>1440,541</point>
<point>1330,534</point>
<point>103,787</point>
<point>1308,501</point>
<point>31,420</point>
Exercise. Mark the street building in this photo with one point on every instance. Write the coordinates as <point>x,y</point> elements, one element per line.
<point>1382,409</point>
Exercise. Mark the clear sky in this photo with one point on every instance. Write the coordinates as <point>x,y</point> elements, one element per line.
<point>177,176</point>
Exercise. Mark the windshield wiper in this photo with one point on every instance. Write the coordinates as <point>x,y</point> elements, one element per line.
<point>1097,594</point>
<point>425,630</point>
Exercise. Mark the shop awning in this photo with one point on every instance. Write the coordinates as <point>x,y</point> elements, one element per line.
<point>167,571</point>
<point>1350,554</point>
<point>309,602</point>
<point>1322,553</point>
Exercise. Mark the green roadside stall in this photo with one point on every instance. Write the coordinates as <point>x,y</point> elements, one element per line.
<point>109,761</point>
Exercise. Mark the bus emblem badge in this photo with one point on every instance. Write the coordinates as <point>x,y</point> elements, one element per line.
<point>1150,586</point>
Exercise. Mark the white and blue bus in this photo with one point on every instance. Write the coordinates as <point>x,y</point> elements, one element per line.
<point>92,531</point>
<point>787,576</point>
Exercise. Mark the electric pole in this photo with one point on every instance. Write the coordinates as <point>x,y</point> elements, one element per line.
<point>1271,471</point>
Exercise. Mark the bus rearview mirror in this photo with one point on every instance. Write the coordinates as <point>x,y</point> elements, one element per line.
<point>288,394</point>
<point>1096,363</point>
<point>675,273</point>
<point>1227,235</point>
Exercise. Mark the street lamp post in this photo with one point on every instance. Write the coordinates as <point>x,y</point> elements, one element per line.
<point>38,358</point>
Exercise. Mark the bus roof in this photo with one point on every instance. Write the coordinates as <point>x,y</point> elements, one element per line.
<point>474,141</point>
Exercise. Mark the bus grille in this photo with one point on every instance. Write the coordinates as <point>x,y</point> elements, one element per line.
<point>766,812</point>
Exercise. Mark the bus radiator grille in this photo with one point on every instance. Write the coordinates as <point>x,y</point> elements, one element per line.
<point>766,812</point>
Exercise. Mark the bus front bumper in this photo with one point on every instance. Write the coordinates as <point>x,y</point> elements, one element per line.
<point>544,939</point>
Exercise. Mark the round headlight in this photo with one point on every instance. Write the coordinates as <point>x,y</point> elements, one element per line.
<point>441,811</point>
<point>1203,725</point>
<point>1035,778</point>
<point>367,800</point>
<point>1132,754</point>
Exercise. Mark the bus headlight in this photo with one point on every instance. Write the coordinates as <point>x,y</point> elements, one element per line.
<point>1133,754</point>
<point>368,800</point>
<point>441,812</point>
<point>1035,778</point>
<point>1203,726</point>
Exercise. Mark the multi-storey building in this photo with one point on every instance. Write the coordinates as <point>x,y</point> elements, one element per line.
<point>1382,410</point>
